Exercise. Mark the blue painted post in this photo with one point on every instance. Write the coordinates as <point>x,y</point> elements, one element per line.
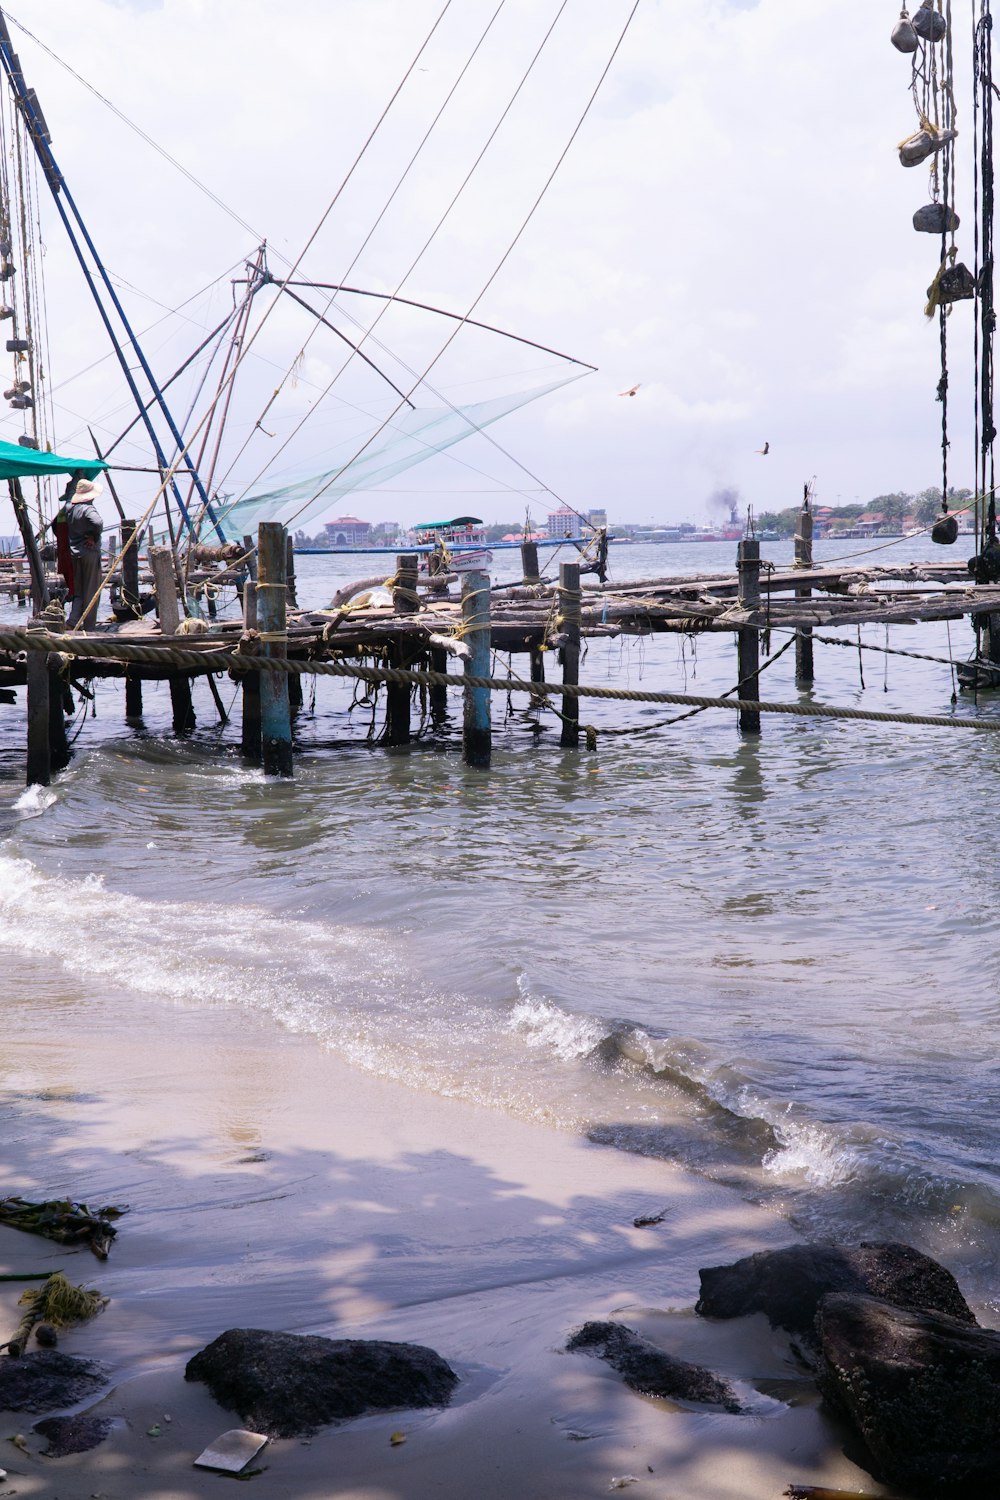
<point>476,634</point>
<point>275,719</point>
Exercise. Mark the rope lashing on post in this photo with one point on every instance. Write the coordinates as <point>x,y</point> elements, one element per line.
<point>223,661</point>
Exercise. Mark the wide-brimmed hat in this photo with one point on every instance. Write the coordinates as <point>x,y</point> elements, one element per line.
<point>86,489</point>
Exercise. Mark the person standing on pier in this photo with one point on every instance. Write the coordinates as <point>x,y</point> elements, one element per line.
<point>84,527</point>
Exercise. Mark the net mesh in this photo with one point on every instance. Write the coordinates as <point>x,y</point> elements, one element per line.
<point>409,439</point>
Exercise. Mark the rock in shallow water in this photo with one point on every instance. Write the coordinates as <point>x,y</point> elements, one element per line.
<point>787,1285</point>
<point>922,1388</point>
<point>72,1434</point>
<point>47,1380</point>
<point>288,1384</point>
<point>650,1370</point>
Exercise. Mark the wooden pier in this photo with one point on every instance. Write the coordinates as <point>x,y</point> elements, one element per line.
<point>440,620</point>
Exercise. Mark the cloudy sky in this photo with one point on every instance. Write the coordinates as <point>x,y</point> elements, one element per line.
<point>731,229</point>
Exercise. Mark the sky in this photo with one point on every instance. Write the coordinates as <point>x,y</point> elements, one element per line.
<point>730,229</point>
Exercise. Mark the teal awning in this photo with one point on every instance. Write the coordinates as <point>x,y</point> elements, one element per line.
<point>20,463</point>
<point>443,525</point>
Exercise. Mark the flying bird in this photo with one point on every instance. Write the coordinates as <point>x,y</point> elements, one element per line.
<point>631,390</point>
<point>763,451</point>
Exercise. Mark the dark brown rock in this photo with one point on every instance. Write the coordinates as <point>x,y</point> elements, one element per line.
<point>46,1380</point>
<point>288,1384</point>
<point>650,1370</point>
<point>72,1434</point>
<point>787,1285</point>
<point>923,1389</point>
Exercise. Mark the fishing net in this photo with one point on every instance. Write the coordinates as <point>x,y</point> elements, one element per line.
<point>410,438</point>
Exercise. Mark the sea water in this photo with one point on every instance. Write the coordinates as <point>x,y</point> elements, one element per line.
<point>773,960</point>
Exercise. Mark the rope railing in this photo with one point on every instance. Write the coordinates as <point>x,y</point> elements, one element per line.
<point>246,661</point>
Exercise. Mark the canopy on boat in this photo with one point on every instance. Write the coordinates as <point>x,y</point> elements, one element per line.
<point>19,463</point>
<point>444,525</point>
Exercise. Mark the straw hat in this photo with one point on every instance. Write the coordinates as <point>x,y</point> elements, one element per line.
<point>86,489</point>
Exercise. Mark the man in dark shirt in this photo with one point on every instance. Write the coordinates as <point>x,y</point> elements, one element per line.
<point>84,528</point>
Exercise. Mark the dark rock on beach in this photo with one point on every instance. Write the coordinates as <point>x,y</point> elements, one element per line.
<point>72,1434</point>
<point>47,1380</point>
<point>923,1389</point>
<point>787,1285</point>
<point>650,1370</point>
<point>288,1384</point>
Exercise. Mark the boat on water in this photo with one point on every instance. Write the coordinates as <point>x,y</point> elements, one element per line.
<point>457,545</point>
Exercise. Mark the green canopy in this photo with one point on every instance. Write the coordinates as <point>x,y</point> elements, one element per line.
<point>17,463</point>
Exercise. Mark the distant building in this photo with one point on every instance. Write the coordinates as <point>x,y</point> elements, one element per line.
<point>347,531</point>
<point>598,517</point>
<point>564,523</point>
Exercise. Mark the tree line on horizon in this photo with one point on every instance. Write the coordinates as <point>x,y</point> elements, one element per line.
<point>924,507</point>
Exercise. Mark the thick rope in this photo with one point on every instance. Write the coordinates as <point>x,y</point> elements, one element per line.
<point>235,661</point>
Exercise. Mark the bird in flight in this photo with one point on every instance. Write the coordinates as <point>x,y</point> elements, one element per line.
<point>631,390</point>
<point>763,451</point>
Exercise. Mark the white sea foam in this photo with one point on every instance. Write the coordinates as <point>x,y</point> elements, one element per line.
<point>811,1153</point>
<point>563,1034</point>
<point>34,800</point>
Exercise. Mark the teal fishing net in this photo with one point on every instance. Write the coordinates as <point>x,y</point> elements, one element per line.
<point>411,437</point>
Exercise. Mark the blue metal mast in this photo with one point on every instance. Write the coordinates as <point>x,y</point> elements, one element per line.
<point>35,121</point>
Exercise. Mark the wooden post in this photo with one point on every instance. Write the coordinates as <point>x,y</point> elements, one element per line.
<point>747,637</point>
<point>537,664</point>
<point>290,570</point>
<point>161,563</point>
<point>133,695</point>
<point>130,569</point>
<point>803,559</point>
<point>275,718</point>
<point>59,752</point>
<point>251,555</point>
<point>39,771</point>
<point>397,697</point>
<point>438,696</point>
<point>130,598</point>
<point>294,683</point>
<point>529,563</point>
<point>250,740</point>
<point>476,736</point>
<point>182,703</point>
<point>569,627</point>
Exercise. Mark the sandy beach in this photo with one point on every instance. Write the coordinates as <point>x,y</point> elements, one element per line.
<point>270,1186</point>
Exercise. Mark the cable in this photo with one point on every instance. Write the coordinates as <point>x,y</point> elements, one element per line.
<point>525,222</point>
<point>402,282</point>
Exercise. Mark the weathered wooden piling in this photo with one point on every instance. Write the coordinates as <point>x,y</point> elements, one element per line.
<point>130,569</point>
<point>397,697</point>
<point>476,727</point>
<point>529,563</point>
<point>568,627</point>
<point>250,743</point>
<point>438,695</point>
<point>39,768</point>
<point>59,752</point>
<point>803,559</point>
<point>130,599</point>
<point>161,565</point>
<point>275,717</point>
<point>747,637</point>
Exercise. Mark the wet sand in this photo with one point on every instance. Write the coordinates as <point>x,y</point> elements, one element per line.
<point>271,1186</point>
